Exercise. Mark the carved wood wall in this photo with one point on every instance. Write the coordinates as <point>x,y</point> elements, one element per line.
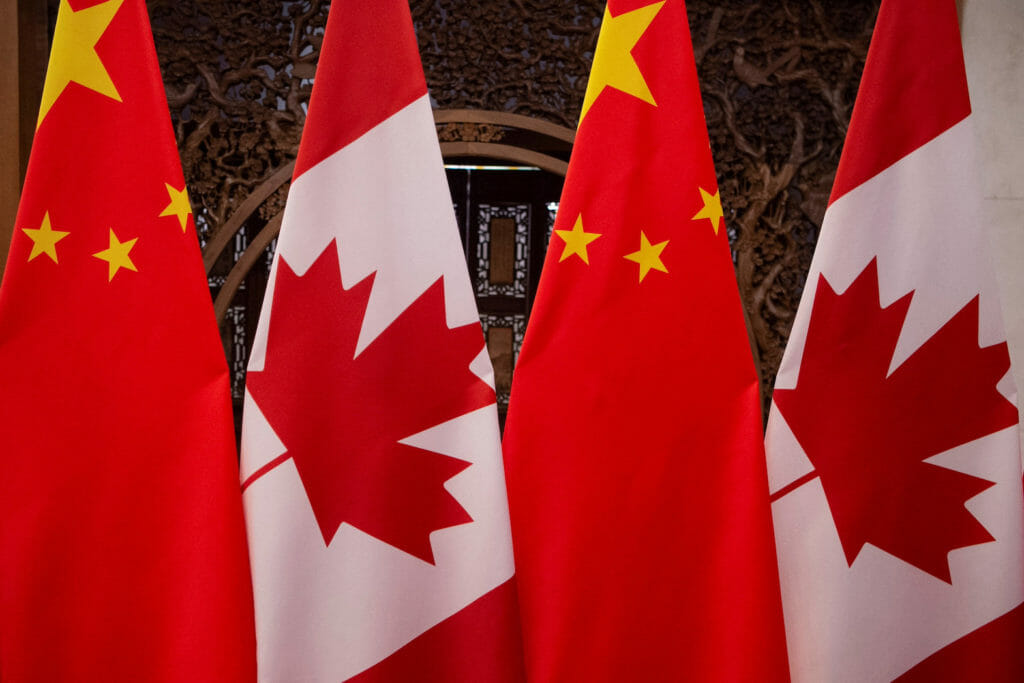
<point>778,79</point>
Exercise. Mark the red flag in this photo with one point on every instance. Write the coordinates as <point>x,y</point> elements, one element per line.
<point>373,481</point>
<point>122,546</point>
<point>639,500</point>
<point>892,445</point>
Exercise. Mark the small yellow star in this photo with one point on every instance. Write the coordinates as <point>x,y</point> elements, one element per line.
<point>614,65</point>
<point>179,205</point>
<point>576,241</point>
<point>712,208</point>
<point>73,56</point>
<point>649,256</point>
<point>117,255</point>
<point>44,240</point>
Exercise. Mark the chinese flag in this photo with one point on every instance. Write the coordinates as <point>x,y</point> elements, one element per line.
<point>122,546</point>
<point>637,488</point>
<point>372,474</point>
<point>892,444</point>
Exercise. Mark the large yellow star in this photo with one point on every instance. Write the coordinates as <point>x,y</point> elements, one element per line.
<point>649,256</point>
<point>117,255</point>
<point>73,56</point>
<point>179,205</point>
<point>614,65</point>
<point>44,240</point>
<point>712,208</point>
<point>576,241</point>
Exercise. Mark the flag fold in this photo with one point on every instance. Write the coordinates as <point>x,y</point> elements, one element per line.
<point>371,464</point>
<point>122,544</point>
<point>633,443</point>
<point>892,444</point>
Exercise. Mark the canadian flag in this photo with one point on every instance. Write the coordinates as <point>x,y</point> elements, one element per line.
<point>371,467</point>
<point>893,455</point>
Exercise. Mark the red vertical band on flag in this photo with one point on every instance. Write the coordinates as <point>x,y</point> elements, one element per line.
<point>122,545</point>
<point>379,539</point>
<point>362,78</point>
<point>914,87</point>
<point>993,653</point>
<point>637,486</point>
<point>481,642</point>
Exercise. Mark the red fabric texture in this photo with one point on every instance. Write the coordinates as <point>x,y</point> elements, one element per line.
<point>913,88</point>
<point>369,69</point>
<point>992,653</point>
<point>478,643</point>
<point>122,547</point>
<point>633,445</point>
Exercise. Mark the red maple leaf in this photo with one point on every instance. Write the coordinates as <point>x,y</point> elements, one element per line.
<point>341,416</point>
<point>867,432</point>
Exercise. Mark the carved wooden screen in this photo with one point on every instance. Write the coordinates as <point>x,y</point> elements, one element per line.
<point>778,79</point>
<point>507,217</point>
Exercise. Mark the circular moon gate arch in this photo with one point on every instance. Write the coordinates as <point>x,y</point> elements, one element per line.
<point>464,133</point>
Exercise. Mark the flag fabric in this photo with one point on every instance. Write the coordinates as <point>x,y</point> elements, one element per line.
<point>122,542</point>
<point>371,465</point>
<point>892,443</point>
<point>633,444</point>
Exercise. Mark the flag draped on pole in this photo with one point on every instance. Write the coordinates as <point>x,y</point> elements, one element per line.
<point>371,464</point>
<point>122,544</point>
<point>633,443</point>
<point>892,444</point>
